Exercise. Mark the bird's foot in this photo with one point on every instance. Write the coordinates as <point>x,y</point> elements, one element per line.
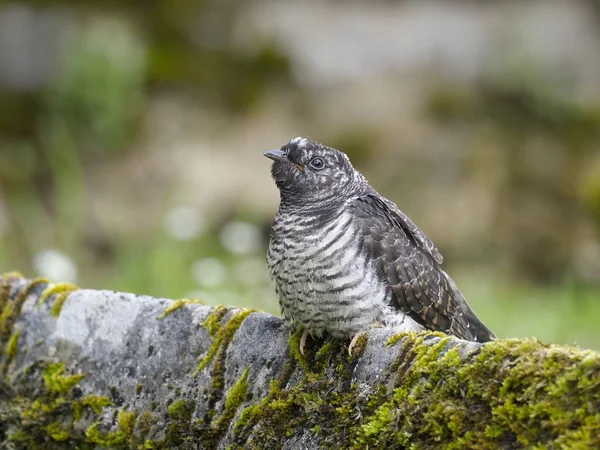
<point>353,342</point>
<point>303,341</point>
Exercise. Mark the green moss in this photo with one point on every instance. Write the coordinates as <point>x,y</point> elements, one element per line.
<point>394,339</point>
<point>213,321</point>
<point>126,420</point>
<point>493,396</point>
<point>180,427</point>
<point>41,410</point>
<point>96,402</point>
<point>57,382</point>
<point>13,275</point>
<point>178,304</point>
<point>181,410</point>
<point>322,357</point>
<point>11,310</point>
<point>58,303</point>
<point>5,286</point>
<point>328,405</point>
<point>12,346</point>
<point>95,436</point>
<point>251,413</point>
<point>114,439</point>
<point>144,426</point>
<point>507,394</point>
<point>6,280</point>
<point>224,335</point>
<point>61,291</point>
<point>57,432</point>
<point>360,346</point>
<point>236,396</point>
<point>294,346</point>
<point>138,389</point>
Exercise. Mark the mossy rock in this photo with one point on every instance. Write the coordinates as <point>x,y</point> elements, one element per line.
<point>113,370</point>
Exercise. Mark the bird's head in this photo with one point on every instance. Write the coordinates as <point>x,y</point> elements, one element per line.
<point>306,171</point>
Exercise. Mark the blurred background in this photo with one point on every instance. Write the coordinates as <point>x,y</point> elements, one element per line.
<point>132,132</point>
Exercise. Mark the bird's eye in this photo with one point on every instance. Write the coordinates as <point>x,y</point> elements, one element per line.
<point>317,163</point>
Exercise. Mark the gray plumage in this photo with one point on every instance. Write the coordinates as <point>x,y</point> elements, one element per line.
<point>344,258</point>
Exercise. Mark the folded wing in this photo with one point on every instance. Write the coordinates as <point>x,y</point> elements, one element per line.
<point>410,263</point>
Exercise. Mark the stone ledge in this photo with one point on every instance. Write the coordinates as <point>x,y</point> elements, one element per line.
<point>86,368</point>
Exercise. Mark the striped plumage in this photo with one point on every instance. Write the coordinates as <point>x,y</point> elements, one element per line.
<point>344,258</point>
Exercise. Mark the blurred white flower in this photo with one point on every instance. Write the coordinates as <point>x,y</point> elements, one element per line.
<point>209,272</point>
<point>251,271</point>
<point>183,223</point>
<point>55,265</point>
<point>240,237</point>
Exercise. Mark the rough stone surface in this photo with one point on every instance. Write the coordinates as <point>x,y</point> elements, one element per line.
<point>127,371</point>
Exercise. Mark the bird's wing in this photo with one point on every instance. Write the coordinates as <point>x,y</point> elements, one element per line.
<point>407,260</point>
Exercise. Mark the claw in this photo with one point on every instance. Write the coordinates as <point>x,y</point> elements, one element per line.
<point>303,341</point>
<point>353,342</point>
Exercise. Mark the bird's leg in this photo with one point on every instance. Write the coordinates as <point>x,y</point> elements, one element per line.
<point>353,342</point>
<point>303,341</point>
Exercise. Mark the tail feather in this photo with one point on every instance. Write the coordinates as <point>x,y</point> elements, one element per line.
<point>466,325</point>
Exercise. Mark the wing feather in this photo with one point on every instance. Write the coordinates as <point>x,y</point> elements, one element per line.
<point>410,263</point>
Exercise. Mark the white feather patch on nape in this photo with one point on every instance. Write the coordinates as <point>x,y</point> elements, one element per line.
<point>299,141</point>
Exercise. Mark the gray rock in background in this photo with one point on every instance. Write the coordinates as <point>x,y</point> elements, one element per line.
<point>86,368</point>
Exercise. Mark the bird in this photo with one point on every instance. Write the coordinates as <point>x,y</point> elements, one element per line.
<point>344,259</point>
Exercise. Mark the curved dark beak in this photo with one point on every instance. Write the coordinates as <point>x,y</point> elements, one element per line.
<point>276,155</point>
<point>280,155</point>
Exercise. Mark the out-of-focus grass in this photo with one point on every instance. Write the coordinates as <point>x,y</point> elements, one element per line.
<point>564,314</point>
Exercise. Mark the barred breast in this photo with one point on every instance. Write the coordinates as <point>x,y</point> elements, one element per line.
<point>323,276</point>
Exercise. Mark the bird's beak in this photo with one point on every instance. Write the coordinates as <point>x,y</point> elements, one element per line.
<point>279,155</point>
<point>276,155</point>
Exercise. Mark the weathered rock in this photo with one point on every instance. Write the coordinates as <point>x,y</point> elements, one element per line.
<point>84,367</point>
